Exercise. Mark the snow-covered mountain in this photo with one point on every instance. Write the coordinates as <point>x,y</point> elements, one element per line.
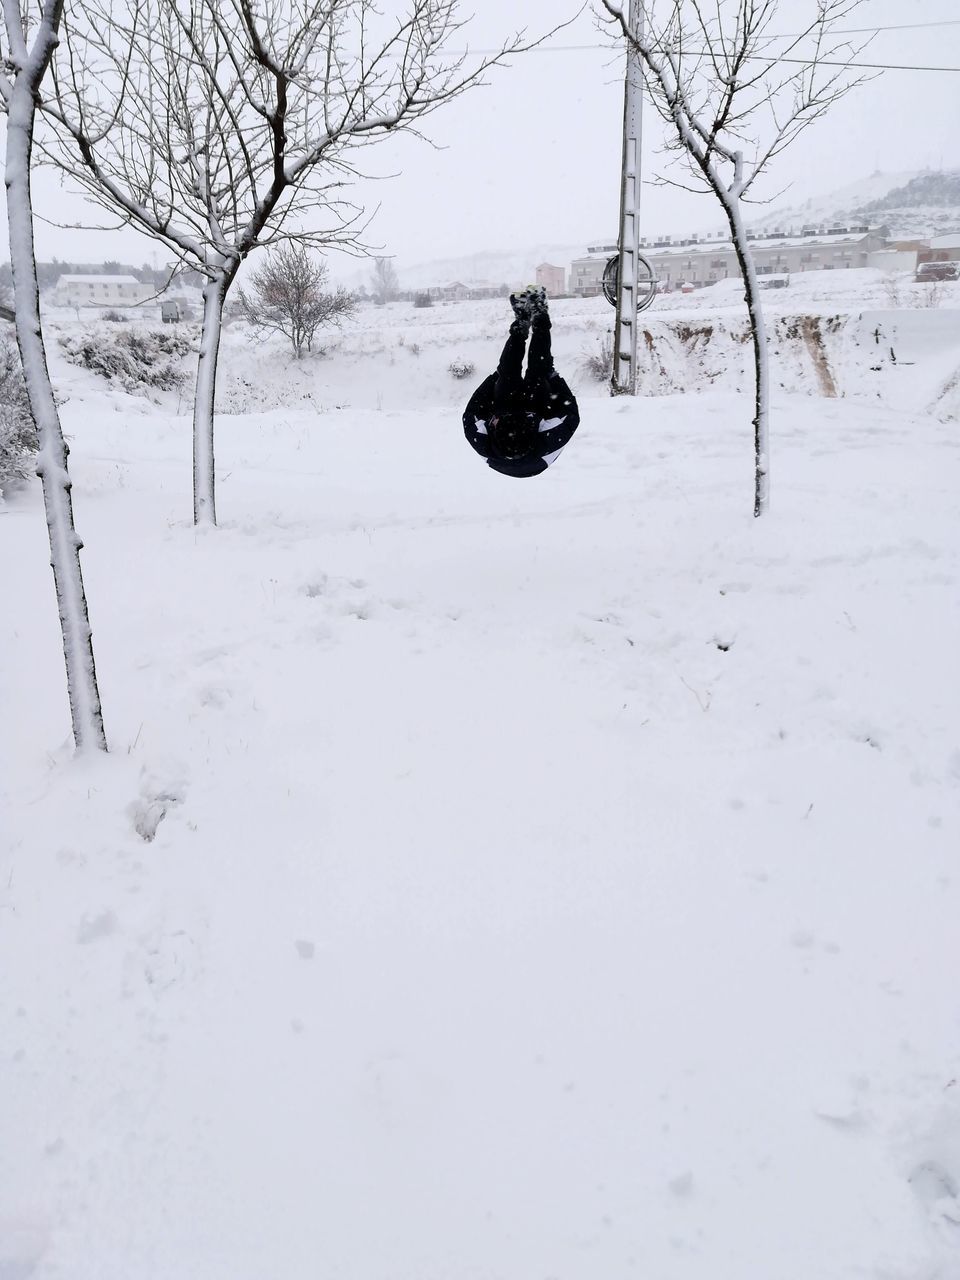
<point>913,203</point>
<point>833,207</point>
<point>928,204</point>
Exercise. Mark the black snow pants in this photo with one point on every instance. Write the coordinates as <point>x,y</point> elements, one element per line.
<point>515,389</point>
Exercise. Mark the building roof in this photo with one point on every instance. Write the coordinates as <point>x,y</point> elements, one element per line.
<point>759,240</point>
<point>945,242</point>
<point>101,279</point>
<point>686,249</point>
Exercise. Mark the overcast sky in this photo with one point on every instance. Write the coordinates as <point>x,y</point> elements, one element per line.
<point>534,157</point>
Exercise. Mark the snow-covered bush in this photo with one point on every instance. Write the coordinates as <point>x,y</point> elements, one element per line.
<point>134,358</point>
<point>423,300</point>
<point>598,364</point>
<point>18,433</point>
<point>460,368</point>
<point>115,317</point>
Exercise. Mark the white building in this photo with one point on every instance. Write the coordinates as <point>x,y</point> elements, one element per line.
<point>586,274</point>
<point>700,261</point>
<point>100,291</point>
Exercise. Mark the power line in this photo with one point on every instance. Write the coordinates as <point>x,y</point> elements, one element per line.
<point>753,57</point>
<point>866,66</point>
<point>861,31</point>
<point>796,35</point>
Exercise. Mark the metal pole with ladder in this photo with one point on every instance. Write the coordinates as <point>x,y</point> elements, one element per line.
<point>630,270</point>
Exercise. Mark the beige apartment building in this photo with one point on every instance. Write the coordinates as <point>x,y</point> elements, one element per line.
<point>551,278</point>
<point>699,262</point>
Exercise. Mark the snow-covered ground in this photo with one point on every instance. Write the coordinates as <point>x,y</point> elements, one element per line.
<point>493,880</point>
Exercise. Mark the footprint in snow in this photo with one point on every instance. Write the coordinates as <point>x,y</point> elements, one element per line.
<point>156,799</point>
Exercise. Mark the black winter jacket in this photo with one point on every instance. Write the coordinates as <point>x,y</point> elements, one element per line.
<point>555,406</point>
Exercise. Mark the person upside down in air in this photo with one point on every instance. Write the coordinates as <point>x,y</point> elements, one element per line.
<point>520,422</point>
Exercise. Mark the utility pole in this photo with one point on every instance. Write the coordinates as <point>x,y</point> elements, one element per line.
<point>624,381</point>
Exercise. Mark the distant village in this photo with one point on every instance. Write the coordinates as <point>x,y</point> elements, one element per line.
<point>678,265</point>
<point>698,262</point>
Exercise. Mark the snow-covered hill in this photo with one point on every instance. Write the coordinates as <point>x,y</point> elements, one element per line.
<point>911,204</point>
<point>927,205</point>
<point>834,208</point>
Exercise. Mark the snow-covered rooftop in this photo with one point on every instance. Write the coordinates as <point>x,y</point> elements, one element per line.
<point>99,279</point>
<point>945,242</point>
<point>688,248</point>
<point>722,244</point>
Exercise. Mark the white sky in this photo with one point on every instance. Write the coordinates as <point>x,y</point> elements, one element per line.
<point>534,157</point>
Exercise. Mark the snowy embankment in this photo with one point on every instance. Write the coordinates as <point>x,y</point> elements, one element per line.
<point>835,337</point>
<point>489,879</point>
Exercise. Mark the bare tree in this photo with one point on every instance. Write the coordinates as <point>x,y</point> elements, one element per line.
<point>384,283</point>
<point>218,127</point>
<point>30,43</point>
<point>732,102</point>
<point>290,296</point>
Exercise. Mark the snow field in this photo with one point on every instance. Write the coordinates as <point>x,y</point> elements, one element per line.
<point>489,879</point>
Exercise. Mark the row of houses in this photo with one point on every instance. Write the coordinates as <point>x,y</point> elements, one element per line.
<point>696,262</point>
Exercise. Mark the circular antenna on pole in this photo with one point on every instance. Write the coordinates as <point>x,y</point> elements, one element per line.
<point>646,281</point>
<point>611,274</point>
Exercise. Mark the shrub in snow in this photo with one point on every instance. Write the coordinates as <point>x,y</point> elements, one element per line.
<point>891,287</point>
<point>598,364</point>
<point>460,368</point>
<point>115,317</point>
<point>423,300</point>
<point>135,358</point>
<point>18,434</point>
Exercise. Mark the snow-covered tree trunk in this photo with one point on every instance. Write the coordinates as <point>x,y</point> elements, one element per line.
<point>709,75</point>
<point>758,334</point>
<point>204,487</point>
<point>20,101</point>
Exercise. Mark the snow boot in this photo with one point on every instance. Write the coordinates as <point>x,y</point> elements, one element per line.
<point>537,302</point>
<point>521,307</point>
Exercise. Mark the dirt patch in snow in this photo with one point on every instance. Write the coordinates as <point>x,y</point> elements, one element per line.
<point>813,339</point>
